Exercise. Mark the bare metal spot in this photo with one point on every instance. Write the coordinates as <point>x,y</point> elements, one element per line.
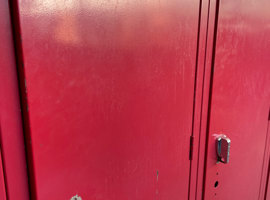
<point>76,197</point>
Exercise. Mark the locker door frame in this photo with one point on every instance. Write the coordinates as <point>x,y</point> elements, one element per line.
<point>206,42</point>
<point>13,169</point>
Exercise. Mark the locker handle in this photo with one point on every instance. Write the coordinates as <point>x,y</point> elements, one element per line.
<point>223,144</point>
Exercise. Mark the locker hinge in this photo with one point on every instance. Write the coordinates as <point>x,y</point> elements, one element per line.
<point>191,147</point>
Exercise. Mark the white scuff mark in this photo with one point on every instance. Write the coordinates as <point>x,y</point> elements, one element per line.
<point>76,197</point>
<point>217,135</point>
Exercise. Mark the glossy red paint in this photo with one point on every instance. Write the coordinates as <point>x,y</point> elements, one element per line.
<point>109,88</point>
<point>12,141</point>
<point>265,185</point>
<point>240,99</point>
<point>267,193</point>
<point>3,194</point>
<point>202,97</point>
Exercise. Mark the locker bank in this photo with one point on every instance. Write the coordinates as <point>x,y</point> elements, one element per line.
<point>134,99</point>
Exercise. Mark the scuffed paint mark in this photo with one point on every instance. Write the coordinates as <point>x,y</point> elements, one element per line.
<point>76,197</point>
<point>25,86</point>
<point>157,192</point>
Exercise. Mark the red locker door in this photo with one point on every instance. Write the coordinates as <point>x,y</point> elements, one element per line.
<point>240,99</point>
<point>109,88</point>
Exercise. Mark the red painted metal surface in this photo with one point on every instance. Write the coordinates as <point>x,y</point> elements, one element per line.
<point>202,97</point>
<point>12,142</point>
<point>240,99</point>
<point>265,167</point>
<point>267,193</point>
<point>3,194</point>
<point>109,88</point>
<point>265,185</point>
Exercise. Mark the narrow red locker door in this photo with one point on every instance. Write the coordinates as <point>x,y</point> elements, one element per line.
<point>109,88</point>
<point>240,100</point>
